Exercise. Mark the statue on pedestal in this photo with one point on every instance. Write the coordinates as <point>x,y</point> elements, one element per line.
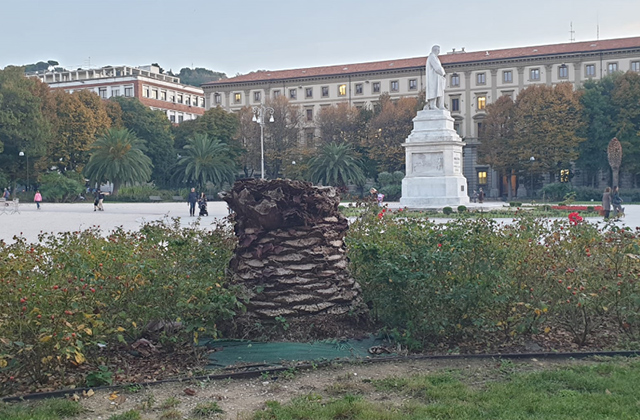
<point>435,80</point>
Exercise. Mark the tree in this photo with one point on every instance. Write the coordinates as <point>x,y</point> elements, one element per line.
<point>599,113</point>
<point>205,160</point>
<point>614,155</point>
<point>341,123</point>
<point>336,165</point>
<point>24,122</point>
<point>497,138</point>
<point>626,99</point>
<point>249,138</point>
<point>388,129</point>
<point>155,129</point>
<point>198,76</point>
<point>117,157</point>
<point>281,138</point>
<point>547,123</point>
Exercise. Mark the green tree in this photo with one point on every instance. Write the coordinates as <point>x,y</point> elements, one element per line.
<point>547,125</point>
<point>336,165</point>
<point>155,129</point>
<point>215,123</point>
<point>198,76</point>
<point>24,122</point>
<point>626,100</point>
<point>117,157</point>
<point>205,160</point>
<point>599,113</point>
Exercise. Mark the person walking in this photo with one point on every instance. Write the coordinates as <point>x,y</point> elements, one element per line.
<point>100,200</point>
<point>37,198</point>
<point>616,201</point>
<point>606,202</point>
<point>96,200</point>
<point>481,196</point>
<point>191,202</point>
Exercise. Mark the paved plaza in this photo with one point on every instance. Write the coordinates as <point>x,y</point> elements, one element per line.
<point>29,222</point>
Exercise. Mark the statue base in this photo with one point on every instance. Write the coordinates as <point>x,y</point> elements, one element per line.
<point>434,163</point>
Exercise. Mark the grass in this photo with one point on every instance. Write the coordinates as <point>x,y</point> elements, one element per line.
<point>206,410</point>
<point>41,410</point>
<point>594,392</point>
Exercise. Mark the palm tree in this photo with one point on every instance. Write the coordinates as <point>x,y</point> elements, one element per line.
<point>207,160</point>
<point>117,157</point>
<point>336,165</point>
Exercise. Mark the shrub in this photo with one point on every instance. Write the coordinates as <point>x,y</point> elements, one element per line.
<point>447,210</point>
<point>515,204</point>
<point>60,188</point>
<point>556,191</point>
<point>137,193</point>
<point>462,209</point>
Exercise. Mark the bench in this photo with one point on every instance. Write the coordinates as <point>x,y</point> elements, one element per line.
<point>178,198</point>
<point>155,198</point>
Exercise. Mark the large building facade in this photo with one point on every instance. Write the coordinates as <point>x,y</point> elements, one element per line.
<point>474,80</point>
<point>156,90</point>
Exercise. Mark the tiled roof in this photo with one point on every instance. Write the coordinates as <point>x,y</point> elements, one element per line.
<point>458,58</point>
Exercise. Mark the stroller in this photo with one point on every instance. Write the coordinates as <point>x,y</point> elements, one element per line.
<point>202,205</point>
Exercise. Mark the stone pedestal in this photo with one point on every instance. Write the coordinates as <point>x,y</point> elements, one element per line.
<point>434,163</point>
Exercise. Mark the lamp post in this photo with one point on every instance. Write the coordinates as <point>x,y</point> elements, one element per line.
<point>258,117</point>
<point>27,156</point>
<point>531,160</point>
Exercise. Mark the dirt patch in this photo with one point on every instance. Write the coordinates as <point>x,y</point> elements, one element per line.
<point>240,398</point>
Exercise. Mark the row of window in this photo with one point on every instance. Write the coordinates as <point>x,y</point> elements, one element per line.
<point>103,92</point>
<point>534,74</point>
<point>172,96</point>
<point>481,103</point>
<point>394,86</point>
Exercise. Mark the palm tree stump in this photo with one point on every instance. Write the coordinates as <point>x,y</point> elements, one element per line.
<point>291,261</point>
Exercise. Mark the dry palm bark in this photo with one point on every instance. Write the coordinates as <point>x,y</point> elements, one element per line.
<point>291,261</point>
<point>614,154</point>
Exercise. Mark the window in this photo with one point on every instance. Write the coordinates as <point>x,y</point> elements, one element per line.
<point>180,118</point>
<point>128,91</point>
<point>482,177</point>
<point>508,93</point>
<point>163,95</point>
<point>457,126</point>
<point>179,98</point>
<point>534,74</point>
<point>455,104</point>
<point>455,80</point>
<point>145,92</point>
<point>293,93</point>
<point>308,93</point>
<point>507,76</point>
<point>187,100</point>
<point>481,78</point>
<point>172,118</point>
<point>217,98</point>
<point>342,90</point>
<point>201,100</point>
<point>563,72</point>
<point>590,70</point>
<point>276,93</point>
<point>102,92</point>
<point>482,102</point>
<point>635,66</point>
<point>413,84</point>
<point>154,93</point>
<point>479,125</point>
<point>172,97</point>
<point>394,86</point>
<point>612,68</point>
<point>376,87</point>
<point>257,96</point>
<point>565,175</point>
<point>309,114</point>
<point>325,91</point>
<point>309,137</point>
<point>359,88</point>
<point>237,97</point>
<point>115,92</point>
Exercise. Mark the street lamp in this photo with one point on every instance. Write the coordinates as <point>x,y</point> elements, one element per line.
<point>258,117</point>
<point>531,160</point>
<point>27,156</point>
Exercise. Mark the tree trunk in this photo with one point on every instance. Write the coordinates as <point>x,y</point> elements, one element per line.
<point>291,261</point>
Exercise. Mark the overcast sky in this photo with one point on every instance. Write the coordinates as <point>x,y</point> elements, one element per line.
<point>239,36</point>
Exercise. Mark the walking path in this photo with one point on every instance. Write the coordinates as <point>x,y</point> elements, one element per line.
<point>52,217</point>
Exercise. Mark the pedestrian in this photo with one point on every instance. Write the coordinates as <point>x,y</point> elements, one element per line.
<point>481,196</point>
<point>616,201</point>
<point>474,197</point>
<point>96,200</point>
<point>378,196</point>
<point>37,198</point>
<point>191,202</point>
<point>202,205</point>
<point>606,202</point>
<point>6,194</point>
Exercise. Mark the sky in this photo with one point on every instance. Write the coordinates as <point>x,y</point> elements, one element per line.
<point>240,36</point>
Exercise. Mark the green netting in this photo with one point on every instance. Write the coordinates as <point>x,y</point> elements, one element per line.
<point>243,353</point>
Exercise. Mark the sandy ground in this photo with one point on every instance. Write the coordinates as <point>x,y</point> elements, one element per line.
<point>30,222</point>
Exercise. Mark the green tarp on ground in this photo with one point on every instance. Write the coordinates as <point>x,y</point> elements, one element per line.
<point>242,353</point>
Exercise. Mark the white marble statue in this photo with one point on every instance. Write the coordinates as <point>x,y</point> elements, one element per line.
<point>435,80</point>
